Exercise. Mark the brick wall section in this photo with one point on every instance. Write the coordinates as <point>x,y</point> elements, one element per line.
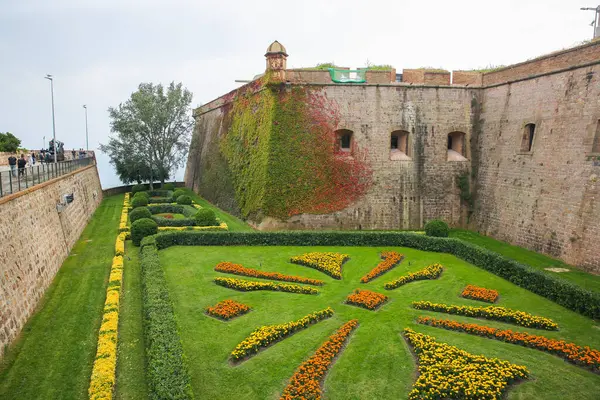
<point>307,75</point>
<point>437,78</point>
<point>413,76</point>
<point>470,78</point>
<point>555,61</point>
<point>36,239</point>
<point>547,200</point>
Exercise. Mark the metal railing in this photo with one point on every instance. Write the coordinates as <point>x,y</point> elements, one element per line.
<point>13,181</point>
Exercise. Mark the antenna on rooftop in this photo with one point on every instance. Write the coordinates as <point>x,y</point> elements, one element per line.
<point>595,21</point>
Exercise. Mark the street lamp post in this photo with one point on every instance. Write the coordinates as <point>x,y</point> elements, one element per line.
<point>49,77</point>
<point>87,148</point>
<point>595,21</point>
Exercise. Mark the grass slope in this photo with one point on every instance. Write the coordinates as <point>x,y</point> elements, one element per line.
<point>536,260</point>
<point>53,357</point>
<point>377,363</point>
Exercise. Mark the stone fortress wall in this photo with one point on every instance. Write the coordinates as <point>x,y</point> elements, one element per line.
<point>35,240</point>
<point>545,198</point>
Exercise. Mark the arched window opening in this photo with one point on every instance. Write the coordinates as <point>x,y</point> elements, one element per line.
<point>527,140</point>
<point>343,140</point>
<point>399,145</point>
<point>456,146</point>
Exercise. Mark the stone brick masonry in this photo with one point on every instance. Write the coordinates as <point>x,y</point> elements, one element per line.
<point>36,239</point>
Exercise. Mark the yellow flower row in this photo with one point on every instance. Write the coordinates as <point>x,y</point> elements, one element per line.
<point>329,263</point>
<point>124,214</point>
<point>267,335</point>
<point>491,312</point>
<point>248,286</point>
<point>447,372</point>
<point>222,227</point>
<point>102,380</point>
<point>430,272</point>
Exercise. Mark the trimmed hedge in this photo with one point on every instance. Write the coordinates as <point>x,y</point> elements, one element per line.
<point>138,188</point>
<point>167,374</point>
<point>142,228</point>
<point>188,212</point>
<point>139,201</point>
<point>205,217</point>
<point>564,293</point>
<point>168,186</point>
<point>179,192</point>
<point>139,213</point>
<point>184,200</point>
<point>142,194</point>
<point>437,228</point>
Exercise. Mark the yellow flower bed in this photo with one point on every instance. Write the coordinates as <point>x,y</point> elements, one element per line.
<point>221,227</point>
<point>430,272</point>
<point>491,312</point>
<point>248,286</point>
<point>447,372</point>
<point>329,263</point>
<point>103,378</point>
<point>269,334</point>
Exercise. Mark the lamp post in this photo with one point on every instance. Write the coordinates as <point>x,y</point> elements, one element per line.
<point>49,77</point>
<point>87,148</point>
<point>595,21</point>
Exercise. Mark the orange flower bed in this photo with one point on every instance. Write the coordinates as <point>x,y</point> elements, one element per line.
<point>227,309</point>
<point>479,293</point>
<point>366,299</point>
<point>390,260</point>
<point>583,356</point>
<point>238,269</point>
<point>306,381</point>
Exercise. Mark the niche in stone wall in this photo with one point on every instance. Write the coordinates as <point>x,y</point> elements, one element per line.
<point>527,138</point>
<point>596,141</point>
<point>343,140</point>
<point>399,148</point>
<point>456,146</point>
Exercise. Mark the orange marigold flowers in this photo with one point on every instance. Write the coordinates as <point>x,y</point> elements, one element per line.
<point>249,286</point>
<point>583,356</point>
<point>366,299</point>
<point>237,269</point>
<point>390,260</point>
<point>479,293</point>
<point>306,381</point>
<point>447,372</point>
<point>328,263</point>
<point>431,272</point>
<point>227,309</point>
<point>491,312</point>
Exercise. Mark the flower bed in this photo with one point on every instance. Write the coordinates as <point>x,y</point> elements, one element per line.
<point>227,309</point>
<point>582,356</point>
<point>390,260</point>
<point>479,293</point>
<point>124,215</point>
<point>366,299</point>
<point>329,263</point>
<point>447,372</point>
<point>306,381</point>
<point>221,227</point>
<point>431,272</point>
<point>267,335</point>
<point>237,269</point>
<point>248,286</point>
<point>491,312</point>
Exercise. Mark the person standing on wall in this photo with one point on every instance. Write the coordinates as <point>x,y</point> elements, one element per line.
<point>33,158</point>
<point>12,161</point>
<point>22,163</point>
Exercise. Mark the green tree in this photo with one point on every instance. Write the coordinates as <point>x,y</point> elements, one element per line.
<point>153,129</point>
<point>9,143</point>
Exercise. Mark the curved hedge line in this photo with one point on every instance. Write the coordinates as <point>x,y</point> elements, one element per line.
<point>564,293</point>
<point>167,375</point>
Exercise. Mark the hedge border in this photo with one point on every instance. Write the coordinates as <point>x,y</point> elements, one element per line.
<point>167,374</point>
<point>566,294</point>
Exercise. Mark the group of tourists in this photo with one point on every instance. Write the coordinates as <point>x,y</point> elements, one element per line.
<point>21,163</point>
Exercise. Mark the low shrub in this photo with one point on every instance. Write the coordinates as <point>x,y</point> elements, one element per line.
<point>205,217</point>
<point>139,201</point>
<point>142,194</point>
<point>179,192</point>
<point>184,200</point>
<point>562,292</point>
<point>142,228</point>
<point>138,188</point>
<point>159,193</point>
<point>139,213</point>
<point>166,372</point>
<point>437,228</point>
<point>169,186</point>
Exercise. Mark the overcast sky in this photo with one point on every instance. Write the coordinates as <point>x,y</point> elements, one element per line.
<point>99,51</point>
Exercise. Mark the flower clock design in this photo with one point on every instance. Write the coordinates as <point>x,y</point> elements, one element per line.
<point>444,371</point>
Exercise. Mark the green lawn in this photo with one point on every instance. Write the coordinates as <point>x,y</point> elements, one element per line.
<point>53,357</point>
<point>234,223</point>
<point>377,363</point>
<point>536,260</point>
